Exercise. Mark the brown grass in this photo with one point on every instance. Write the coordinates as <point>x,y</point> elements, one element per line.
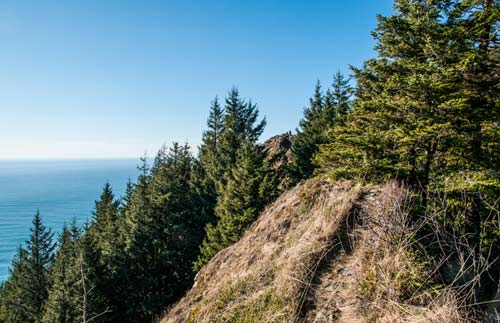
<point>321,253</point>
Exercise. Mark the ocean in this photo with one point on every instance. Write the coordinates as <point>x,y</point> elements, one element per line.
<point>60,189</point>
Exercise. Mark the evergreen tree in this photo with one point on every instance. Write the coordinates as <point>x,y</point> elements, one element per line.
<point>397,122</point>
<point>14,291</point>
<point>239,124</point>
<point>208,152</point>
<point>138,204</point>
<point>340,98</point>
<point>64,297</point>
<point>237,206</point>
<point>427,112</point>
<point>162,247</point>
<point>103,242</point>
<point>105,226</point>
<point>25,292</point>
<point>324,112</point>
<point>208,169</point>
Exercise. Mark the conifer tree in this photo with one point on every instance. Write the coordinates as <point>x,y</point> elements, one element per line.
<point>426,114</point>
<point>208,169</point>
<point>104,227</point>
<point>25,292</point>
<point>103,241</point>
<point>65,293</point>
<point>340,96</point>
<point>208,152</point>
<point>74,295</point>
<point>324,112</point>
<point>14,291</point>
<point>162,246</point>
<point>138,204</point>
<point>240,123</point>
<point>237,206</point>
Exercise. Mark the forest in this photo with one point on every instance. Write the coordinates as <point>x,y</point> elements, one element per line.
<point>425,112</point>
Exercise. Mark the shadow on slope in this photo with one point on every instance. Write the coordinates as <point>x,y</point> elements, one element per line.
<point>321,253</point>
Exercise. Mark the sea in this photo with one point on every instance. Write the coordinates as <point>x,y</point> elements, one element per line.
<point>60,189</point>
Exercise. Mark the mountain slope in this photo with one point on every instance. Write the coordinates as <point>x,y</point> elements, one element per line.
<point>320,253</point>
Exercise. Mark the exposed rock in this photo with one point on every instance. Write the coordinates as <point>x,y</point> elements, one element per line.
<point>278,150</point>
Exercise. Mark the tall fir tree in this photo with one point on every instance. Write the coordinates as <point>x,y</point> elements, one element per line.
<point>208,170</point>
<point>240,123</point>
<point>240,128</point>
<point>211,138</point>
<point>426,114</point>
<point>104,242</point>
<point>25,292</point>
<point>162,247</point>
<point>65,293</point>
<point>237,206</point>
<point>324,112</point>
<point>105,225</point>
<point>341,99</point>
<point>14,291</point>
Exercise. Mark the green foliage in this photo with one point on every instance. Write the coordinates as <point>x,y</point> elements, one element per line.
<point>104,228</point>
<point>209,169</point>
<point>238,204</point>
<point>324,111</point>
<point>65,295</point>
<point>101,256</point>
<point>240,124</point>
<point>25,292</point>
<point>427,112</point>
<point>233,166</point>
<point>165,224</point>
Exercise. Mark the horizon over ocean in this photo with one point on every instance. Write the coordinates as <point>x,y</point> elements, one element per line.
<point>62,189</point>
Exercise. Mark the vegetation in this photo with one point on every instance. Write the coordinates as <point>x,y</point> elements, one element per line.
<point>427,113</point>
<point>424,112</point>
<point>25,293</point>
<point>325,111</point>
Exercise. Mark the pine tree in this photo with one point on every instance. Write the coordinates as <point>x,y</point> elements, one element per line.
<point>65,293</point>
<point>396,117</point>
<point>103,241</point>
<point>340,97</point>
<point>208,152</point>
<point>240,123</point>
<point>324,112</point>
<point>101,292</point>
<point>26,289</point>
<point>426,114</point>
<point>208,170</point>
<point>14,291</point>
<point>164,243</point>
<point>237,206</point>
<point>138,204</point>
<point>105,227</point>
<point>73,294</point>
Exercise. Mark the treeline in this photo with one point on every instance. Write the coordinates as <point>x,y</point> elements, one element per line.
<point>140,253</point>
<point>426,112</point>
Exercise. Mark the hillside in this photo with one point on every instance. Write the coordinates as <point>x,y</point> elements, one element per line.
<point>320,253</point>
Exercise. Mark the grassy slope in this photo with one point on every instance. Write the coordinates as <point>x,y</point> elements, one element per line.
<point>321,253</point>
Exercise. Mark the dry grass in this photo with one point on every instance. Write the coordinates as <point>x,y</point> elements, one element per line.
<point>322,253</point>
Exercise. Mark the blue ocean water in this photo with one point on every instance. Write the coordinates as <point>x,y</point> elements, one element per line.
<point>60,189</point>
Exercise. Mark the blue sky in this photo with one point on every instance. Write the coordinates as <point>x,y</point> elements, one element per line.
<point>94,78</point>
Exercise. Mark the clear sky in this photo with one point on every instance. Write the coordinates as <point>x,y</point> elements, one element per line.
<point>103,78</point>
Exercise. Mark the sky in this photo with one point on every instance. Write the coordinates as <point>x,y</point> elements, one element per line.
<point>118,78</point>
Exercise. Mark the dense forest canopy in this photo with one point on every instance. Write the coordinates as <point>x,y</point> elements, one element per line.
<point>425,111</point>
